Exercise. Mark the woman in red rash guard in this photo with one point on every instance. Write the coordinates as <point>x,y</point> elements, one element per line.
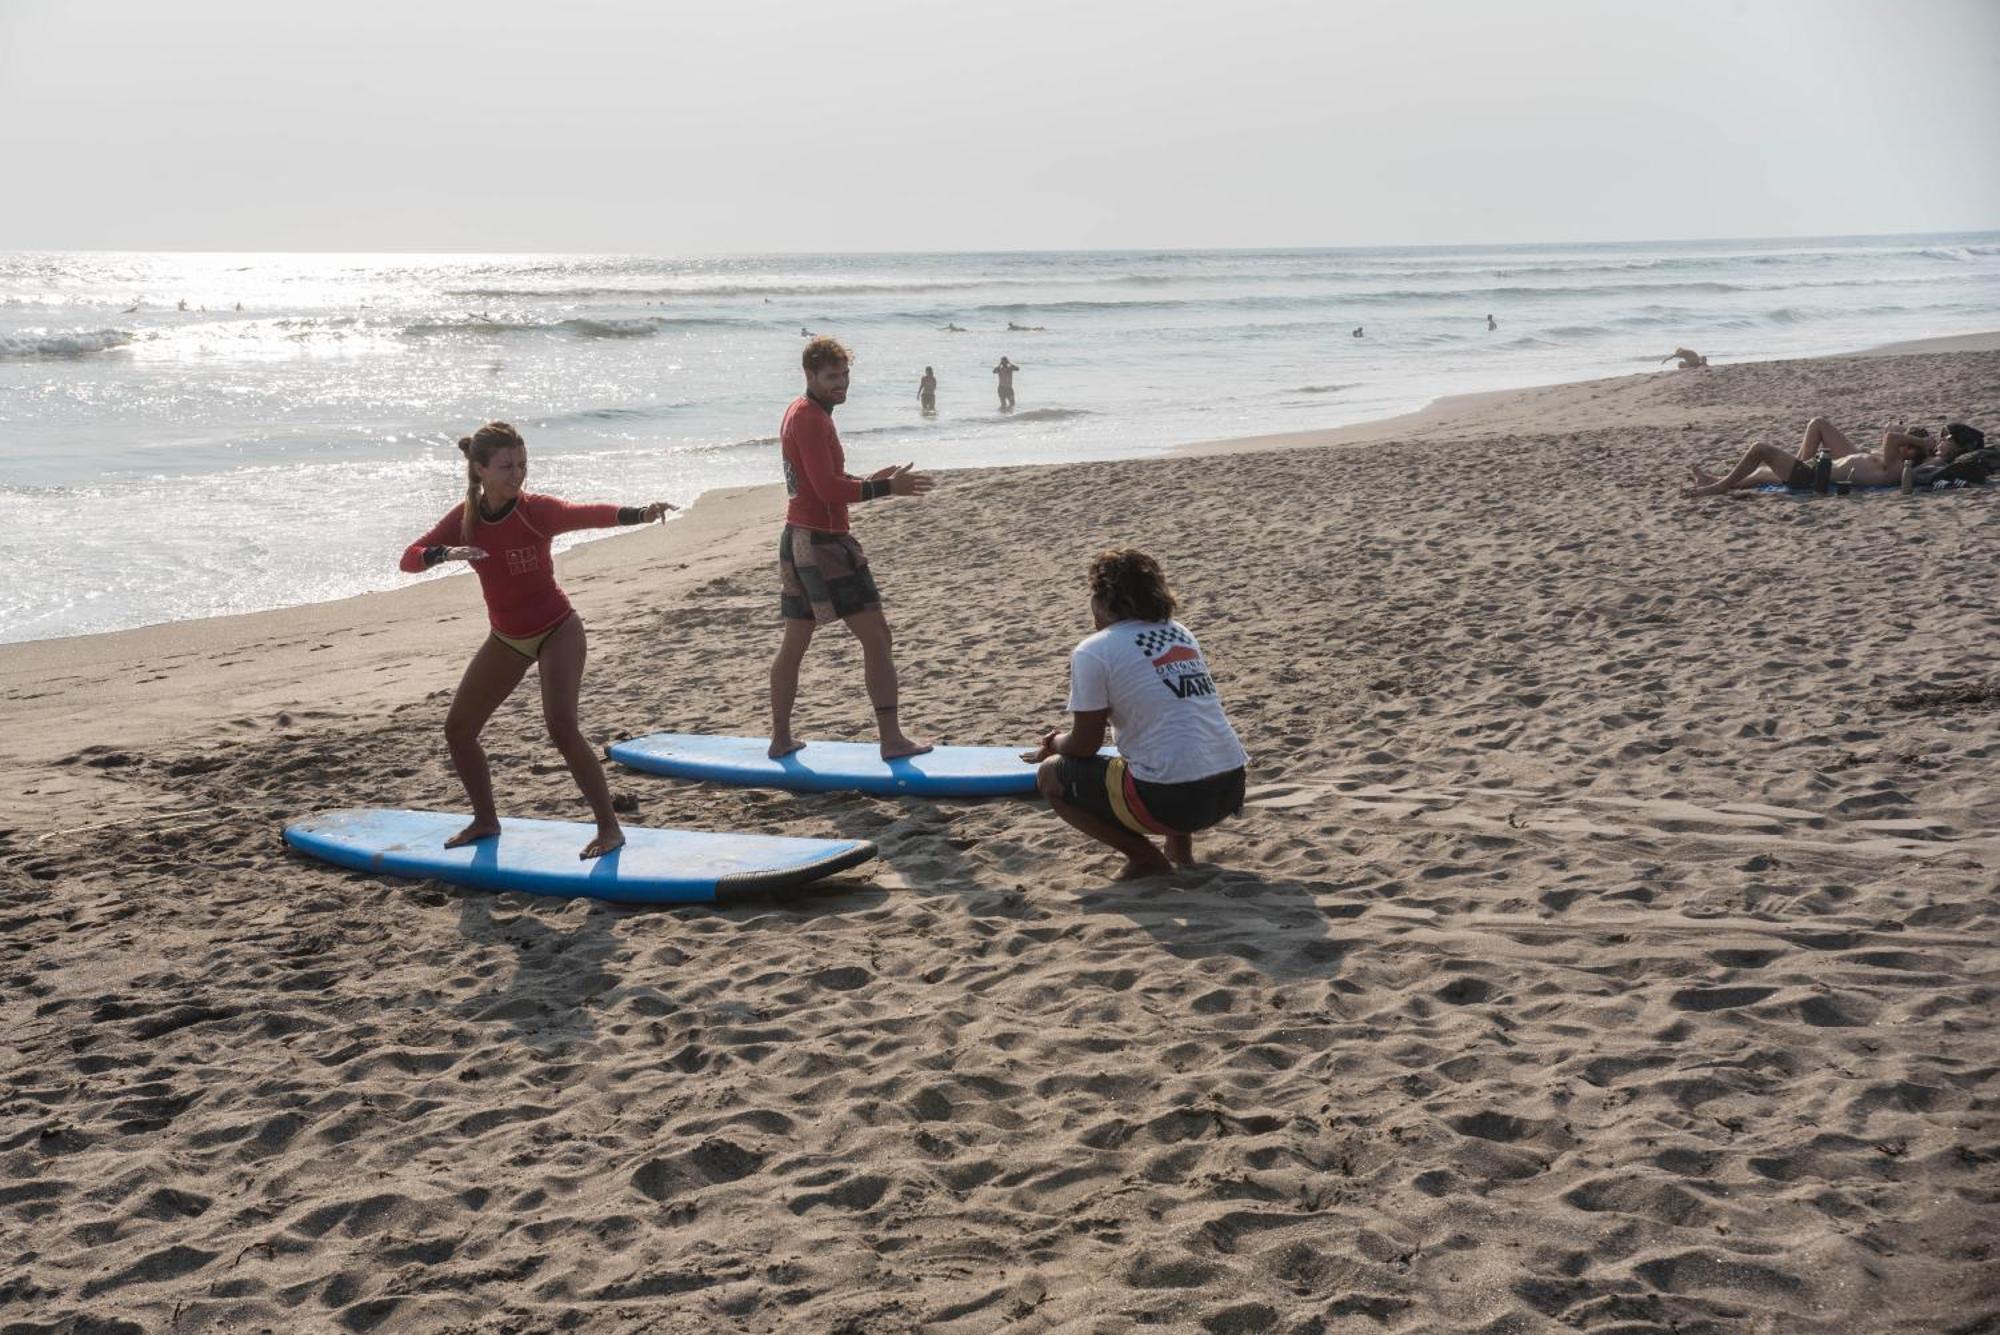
<point>505,532</point>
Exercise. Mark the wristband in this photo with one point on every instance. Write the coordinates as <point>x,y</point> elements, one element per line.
<point>874,488</point>
<point>433,555</point>
<point>631,514</point>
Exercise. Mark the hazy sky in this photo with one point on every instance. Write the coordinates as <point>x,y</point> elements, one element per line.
<point>781,125</point>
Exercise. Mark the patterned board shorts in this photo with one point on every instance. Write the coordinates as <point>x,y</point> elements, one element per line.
<point>823,576</point>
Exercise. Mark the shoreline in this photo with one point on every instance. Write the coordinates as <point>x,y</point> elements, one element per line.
<point>263,662</point>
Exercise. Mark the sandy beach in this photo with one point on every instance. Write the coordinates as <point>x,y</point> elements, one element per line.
<point>1609,944</point>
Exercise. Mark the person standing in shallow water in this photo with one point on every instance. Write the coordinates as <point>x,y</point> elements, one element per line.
<point>1180,768</point>
<point>1005,370</point>
<point>505,532</point>
<point>927,392</point>
<point>822,572</point>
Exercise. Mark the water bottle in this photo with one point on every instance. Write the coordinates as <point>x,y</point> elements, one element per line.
<point>1822,472</point>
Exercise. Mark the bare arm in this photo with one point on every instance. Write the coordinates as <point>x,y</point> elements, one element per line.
<point>1085,737</point>
<point>1895,442</point>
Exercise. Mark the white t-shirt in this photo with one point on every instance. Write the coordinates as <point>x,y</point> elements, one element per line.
<point>1168,718</point>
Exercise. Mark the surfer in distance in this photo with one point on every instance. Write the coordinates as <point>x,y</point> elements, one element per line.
<point>505,532</point>
<point>1005,370</point>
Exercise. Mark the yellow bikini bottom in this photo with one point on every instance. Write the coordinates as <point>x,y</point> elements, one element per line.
<point>530,646</point>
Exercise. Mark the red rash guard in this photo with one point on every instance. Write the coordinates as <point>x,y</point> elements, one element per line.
<point>518,575</point>
<point>815,469</point>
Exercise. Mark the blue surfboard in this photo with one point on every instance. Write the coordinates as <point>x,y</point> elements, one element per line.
<point>824,767</point>
<point>540,856</point>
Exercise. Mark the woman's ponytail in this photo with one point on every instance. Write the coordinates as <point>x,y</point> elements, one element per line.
<point>470,514</point>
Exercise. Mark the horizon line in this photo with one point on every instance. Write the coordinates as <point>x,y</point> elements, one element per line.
<point>1086,250</point>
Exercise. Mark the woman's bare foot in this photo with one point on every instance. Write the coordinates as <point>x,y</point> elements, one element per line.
<point>783,746</point>
<point>1180,849</point>
<point>473,833</point>
<point>899,746</point>
<point>605,842</point>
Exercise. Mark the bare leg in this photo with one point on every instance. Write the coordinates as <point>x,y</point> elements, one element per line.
<point>562,677</point>
<point>1180,849</point>
<point>1141,858</point>
<point>489,679</point>
<point>785,685</point>
<point>1757,456</point>
<point>1819,432</point>
<point>878,665</point>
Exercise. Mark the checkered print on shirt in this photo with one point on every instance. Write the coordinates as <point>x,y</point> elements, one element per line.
<point>1152,642</point>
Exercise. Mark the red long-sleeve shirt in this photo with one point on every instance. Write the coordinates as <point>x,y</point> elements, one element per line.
<point>518,575</point>
<point>815,469</point>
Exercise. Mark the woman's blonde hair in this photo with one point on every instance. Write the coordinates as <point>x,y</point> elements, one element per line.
<point>479,449</point>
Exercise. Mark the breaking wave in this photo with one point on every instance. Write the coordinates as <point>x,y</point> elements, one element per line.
<point>32,343</point>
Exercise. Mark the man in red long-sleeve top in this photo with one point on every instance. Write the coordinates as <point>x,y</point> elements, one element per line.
<point>823,573</point>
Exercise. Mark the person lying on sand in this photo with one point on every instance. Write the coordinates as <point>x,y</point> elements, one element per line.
<point>1763,464</point>
<point>505,532</point>
<point>1690,359</point>
<point>1179,768</point>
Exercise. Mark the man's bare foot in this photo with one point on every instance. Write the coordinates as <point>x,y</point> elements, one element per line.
<point>605,842</point>
<point>903,746</point>
<point>473,833</point>
<point>1135,870</point>
<point>780,748</point>
<point>1180,849</point>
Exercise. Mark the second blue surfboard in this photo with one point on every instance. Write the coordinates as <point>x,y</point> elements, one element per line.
<point>540,856</point>
<point>825,767</point>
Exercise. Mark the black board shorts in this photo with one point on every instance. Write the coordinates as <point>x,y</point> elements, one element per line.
<point>1106,788</point>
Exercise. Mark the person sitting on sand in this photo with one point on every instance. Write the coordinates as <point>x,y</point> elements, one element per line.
<point>1179,768</point>
<point>1763,464</point>
<point>927,392</point>
<point>822,572</point>
<point>505,532</point>
<point>1690,359</point>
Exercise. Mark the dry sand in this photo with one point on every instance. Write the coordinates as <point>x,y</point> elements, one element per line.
<point>1609,946</point>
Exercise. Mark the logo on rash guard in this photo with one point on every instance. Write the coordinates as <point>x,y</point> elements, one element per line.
<point>521,560</point>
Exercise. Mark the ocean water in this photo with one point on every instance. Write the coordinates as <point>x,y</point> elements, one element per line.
<point>160,462</point>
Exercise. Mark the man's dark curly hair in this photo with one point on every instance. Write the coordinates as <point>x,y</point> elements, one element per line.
<point>1131,585</point>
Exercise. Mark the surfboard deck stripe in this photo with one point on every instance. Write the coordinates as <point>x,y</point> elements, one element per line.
<point>948,771</point>
<point>539,856</point>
